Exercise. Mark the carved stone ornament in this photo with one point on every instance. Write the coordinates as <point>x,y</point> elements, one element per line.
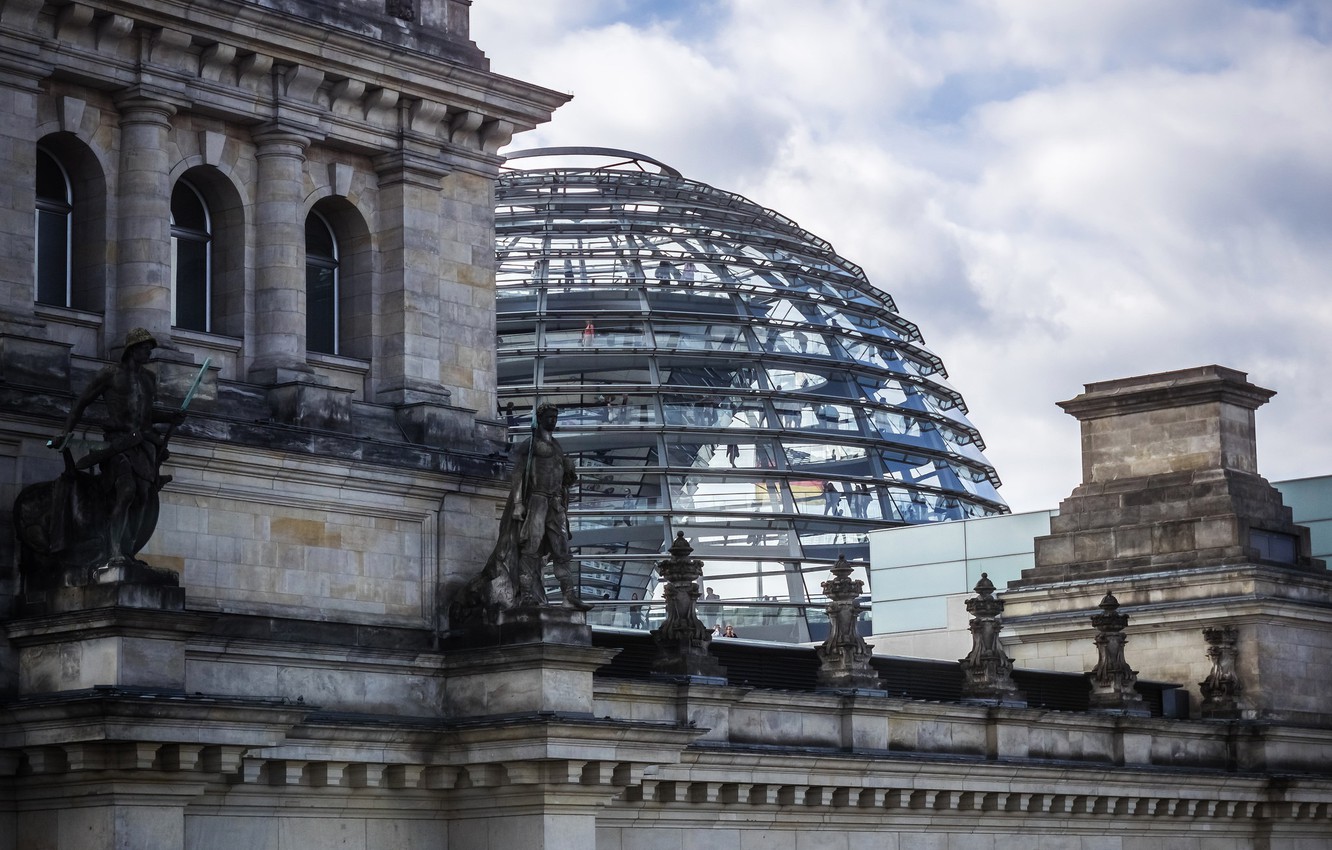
<point>1112,679</point>
<point>1221,689</point>
<point>844,656</point>
<point>682,639</point>
<point>986,670</point>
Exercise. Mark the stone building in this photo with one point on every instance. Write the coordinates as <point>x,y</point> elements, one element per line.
<point>296,195</point>
<point>300,196</point>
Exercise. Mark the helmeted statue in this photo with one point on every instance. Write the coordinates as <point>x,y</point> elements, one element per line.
<point>533,528</point>
<point>81,524</point>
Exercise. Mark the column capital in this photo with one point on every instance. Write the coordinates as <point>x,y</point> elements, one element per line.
<point>408,166</point>
<point>140,104</point>
<point>275,138</point>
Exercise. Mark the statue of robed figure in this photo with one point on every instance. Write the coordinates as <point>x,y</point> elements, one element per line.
<point>534,529</point>
<point>87,526</point>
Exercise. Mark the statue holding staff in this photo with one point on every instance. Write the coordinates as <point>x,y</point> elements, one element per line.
<point>81,524</point>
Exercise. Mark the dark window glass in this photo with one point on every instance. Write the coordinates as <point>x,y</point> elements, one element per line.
<point>191,243</point>
<point>321,286</point>
<point>54,215</point>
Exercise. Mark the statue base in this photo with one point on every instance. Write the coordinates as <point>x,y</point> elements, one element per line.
<point>864,682</point>
<point>526,624</point>
<point>522,679</point>
<point>1115,702</point>
<point>121,635</point>
<point>687,661</point>
<point>152,596</point>
<point>1001,699</point>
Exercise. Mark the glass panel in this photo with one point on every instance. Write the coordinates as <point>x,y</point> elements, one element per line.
<point>52,187</point>
<point>321,294</point>
<point>53,232</point>
<point>592,371</point>
<point>594,334</point>
<point>741,494</point>
<point>319,240</point>
<point>53,258</point>
<point>519,338</point>
<point>187,209</point>
<point>190,260</point>
<point>700,337</point>
<point>792,341</point>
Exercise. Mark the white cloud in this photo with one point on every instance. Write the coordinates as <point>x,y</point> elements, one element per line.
<point>1057,193</point>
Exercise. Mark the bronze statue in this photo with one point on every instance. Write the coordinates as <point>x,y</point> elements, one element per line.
<point>81,524</point>
<point>534,527</point>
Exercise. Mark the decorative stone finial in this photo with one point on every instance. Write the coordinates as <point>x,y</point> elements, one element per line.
<point>682,640</point>
<point>1112,679</point>
<point>844,656</point>
<point>986,670</point>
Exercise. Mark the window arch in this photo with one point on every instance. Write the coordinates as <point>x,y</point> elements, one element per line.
<point>191,259</point>
<point>55,228</point>
<point>339,305</point>
<point>322,289</point>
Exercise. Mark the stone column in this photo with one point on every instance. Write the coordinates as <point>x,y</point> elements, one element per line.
<point>279,302</point>
<point>143,274</point>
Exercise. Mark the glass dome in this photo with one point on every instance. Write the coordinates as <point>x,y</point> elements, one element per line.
<point>719,372</point>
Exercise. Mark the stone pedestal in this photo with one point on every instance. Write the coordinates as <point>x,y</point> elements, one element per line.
<point>527,678</point>
<point>114,635</point>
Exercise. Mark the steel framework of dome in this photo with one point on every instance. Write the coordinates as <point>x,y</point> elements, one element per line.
<point>717,369</point>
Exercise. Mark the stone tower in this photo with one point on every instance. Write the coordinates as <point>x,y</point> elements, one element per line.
<point>1173,517</point>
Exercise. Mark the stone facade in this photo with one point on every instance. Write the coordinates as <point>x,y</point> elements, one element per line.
<point>297,689</point>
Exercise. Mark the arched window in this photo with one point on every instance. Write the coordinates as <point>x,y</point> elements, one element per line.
<point>321,286</point>
<point>191,259</point>
<point>55,217</point>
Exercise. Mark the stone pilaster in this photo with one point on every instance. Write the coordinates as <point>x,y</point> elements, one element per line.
<point>410,353</point>
<point>279,301</point>
<point>143,274</point>
<point>18,151</point>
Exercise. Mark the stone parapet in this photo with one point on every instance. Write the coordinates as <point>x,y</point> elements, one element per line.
<point>1284,620</point>
<point>594,757</point>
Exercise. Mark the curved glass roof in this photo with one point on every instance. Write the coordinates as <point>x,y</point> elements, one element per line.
<point>720,372</point>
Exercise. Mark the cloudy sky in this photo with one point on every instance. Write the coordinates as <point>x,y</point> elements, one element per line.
<point>1056,192</point>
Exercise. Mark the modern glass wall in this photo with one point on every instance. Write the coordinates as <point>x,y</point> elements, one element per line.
<point>720,372</point>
